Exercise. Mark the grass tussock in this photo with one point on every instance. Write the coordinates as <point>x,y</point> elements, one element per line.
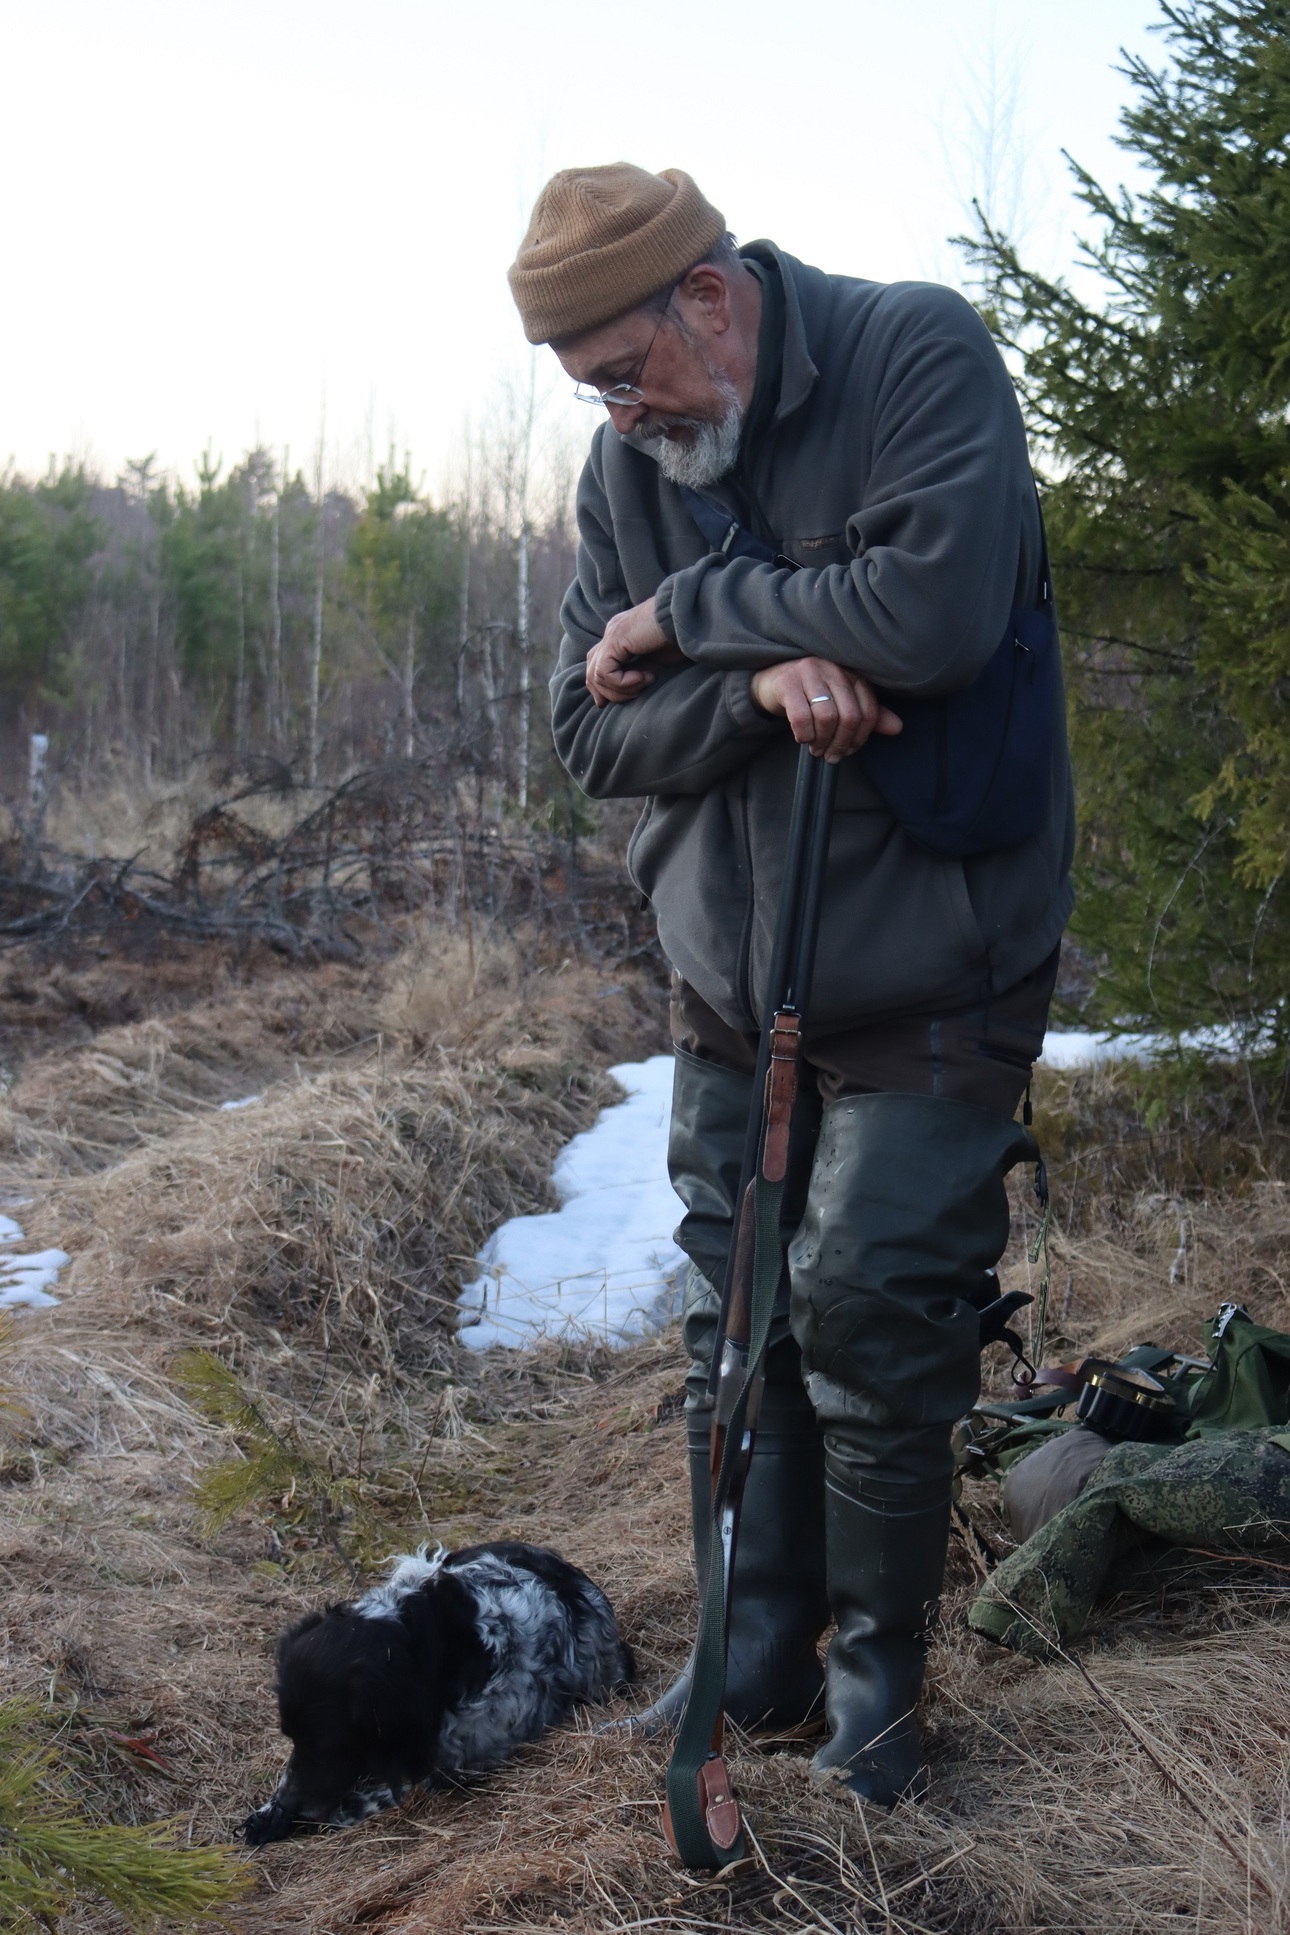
<point>336,1212</point>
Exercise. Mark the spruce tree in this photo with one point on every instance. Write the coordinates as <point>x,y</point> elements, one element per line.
<point>52,1857</point>
<point>1159,410</point>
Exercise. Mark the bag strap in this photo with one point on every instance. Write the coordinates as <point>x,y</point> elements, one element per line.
<point>727,536</point>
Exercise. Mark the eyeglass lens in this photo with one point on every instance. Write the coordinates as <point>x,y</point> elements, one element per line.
<point>626,394</point>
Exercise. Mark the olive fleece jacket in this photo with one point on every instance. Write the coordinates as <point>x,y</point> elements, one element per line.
<point>894,472</point>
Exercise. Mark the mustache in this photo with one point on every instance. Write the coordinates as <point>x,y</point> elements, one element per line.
<point>650,429</point>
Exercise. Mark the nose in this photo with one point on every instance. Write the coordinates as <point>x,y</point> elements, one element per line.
<point>625,416</point>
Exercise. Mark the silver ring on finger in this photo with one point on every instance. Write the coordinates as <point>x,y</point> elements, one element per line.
<point>825,698</point>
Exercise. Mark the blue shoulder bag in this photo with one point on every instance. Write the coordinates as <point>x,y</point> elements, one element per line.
<point>972,770</point>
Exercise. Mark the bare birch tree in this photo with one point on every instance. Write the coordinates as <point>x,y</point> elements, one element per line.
<point>523,637</point>
<point>316,640</point>
<point>273,696</point>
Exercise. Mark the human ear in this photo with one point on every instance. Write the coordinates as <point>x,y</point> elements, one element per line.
<point>706,291</point>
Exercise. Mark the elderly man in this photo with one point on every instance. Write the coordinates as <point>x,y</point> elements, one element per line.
<point>862,451</point>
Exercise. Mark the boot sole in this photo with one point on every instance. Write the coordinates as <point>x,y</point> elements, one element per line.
<point>846,1777</point>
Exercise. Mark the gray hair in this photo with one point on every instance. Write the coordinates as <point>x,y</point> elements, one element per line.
<point>724,255</point>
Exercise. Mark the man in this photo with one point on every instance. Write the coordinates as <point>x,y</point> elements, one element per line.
<point>870,439</point>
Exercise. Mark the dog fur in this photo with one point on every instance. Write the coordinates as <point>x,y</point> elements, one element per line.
<point>443,1670</point>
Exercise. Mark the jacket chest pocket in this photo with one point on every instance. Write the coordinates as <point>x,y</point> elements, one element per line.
<point>817,549</point>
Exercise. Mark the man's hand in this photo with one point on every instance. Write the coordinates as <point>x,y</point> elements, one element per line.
<point>612,675</point>
<point>829,709</point>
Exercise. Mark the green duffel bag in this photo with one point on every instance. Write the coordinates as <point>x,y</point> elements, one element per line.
<point>1248,1382</point>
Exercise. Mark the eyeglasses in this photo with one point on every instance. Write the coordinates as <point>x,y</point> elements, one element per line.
<point>627,394</point>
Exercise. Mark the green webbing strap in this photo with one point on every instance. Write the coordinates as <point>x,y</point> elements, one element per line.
<point>1039,1331</point>
<point>708,1685</point>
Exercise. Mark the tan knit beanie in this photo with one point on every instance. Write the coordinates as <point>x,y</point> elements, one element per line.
<point>602,239</point>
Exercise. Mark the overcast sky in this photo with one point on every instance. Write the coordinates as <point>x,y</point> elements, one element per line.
<point>223,216</point>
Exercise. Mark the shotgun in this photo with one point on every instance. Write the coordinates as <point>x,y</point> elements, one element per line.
<point>701,1818</point>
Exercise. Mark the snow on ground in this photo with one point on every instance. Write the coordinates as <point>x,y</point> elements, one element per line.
<point>603,1266</point>
<point>1075,1047</point>
<point>26,1279</point>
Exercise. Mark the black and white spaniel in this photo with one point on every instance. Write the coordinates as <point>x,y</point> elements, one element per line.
<point>443,1670</point>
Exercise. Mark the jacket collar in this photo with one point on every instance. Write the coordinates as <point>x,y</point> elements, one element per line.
<point>800,374</point>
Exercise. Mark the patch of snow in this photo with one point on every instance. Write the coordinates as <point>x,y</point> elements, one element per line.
<point>1078,1047</point>
<point>603,1266</point>
<point>244,1102</point>
<point>26,1279</point>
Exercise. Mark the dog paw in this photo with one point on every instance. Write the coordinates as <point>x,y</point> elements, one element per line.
<point>268,1823</point>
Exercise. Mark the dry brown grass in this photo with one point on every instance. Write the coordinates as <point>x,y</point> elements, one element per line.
<point>313,1240</point>
<point>399,1118</point>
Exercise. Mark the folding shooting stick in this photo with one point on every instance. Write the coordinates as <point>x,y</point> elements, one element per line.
<point>701,1817</point>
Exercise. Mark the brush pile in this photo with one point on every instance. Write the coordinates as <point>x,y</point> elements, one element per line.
<point>324,875</point>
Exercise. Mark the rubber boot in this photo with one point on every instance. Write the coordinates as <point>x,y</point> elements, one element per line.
<point>779,1603</point>
<point>906,1212</point>
<point>886,1563</point>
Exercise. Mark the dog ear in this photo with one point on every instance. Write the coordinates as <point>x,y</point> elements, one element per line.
<point>368,1698</point>
<point>288,1638</point>
<point>305,1625</point>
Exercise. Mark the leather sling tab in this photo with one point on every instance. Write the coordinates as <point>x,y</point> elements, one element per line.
<point>781,1091</point>
<point>720,1811</point>
<point>717,1806</point>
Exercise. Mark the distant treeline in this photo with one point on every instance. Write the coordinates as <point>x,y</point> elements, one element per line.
<point>260,617</point>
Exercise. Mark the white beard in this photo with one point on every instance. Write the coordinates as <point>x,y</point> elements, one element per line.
<point>710,454</point>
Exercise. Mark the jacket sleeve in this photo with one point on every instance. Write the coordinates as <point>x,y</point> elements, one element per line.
<point>684,734</point>
<point>936,531</point>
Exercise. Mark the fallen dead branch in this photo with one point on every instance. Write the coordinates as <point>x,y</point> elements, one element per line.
<point>324,878</point>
